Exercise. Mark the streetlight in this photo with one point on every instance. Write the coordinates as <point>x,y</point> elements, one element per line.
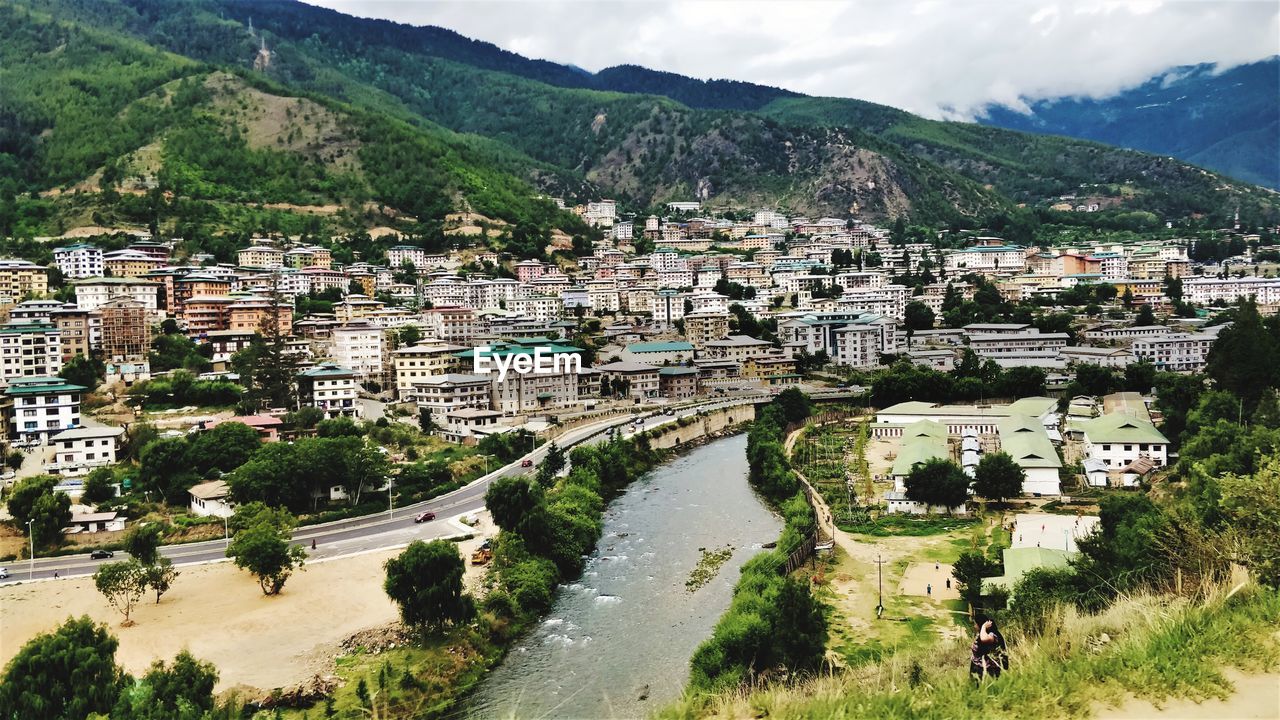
<point>31,559</point>
<point>226,531</point>
<point>391,501</point>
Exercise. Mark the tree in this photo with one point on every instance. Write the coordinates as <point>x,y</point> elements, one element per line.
<point>513,501</point>
<point>937,482</point>
<point>969,569</point>
<point>552,464</point>
<point>425,423</point>
<point>226,447</point>
<point>305,417</point>
<point>918,316</point>
<point>410,335</point>
<point>1252,502</point>
<point>34,500</point>
<point>1145,317</point>
<point>998,477</point>
<point>160,576</point>
<point>1245,359</point>
<point>795,405</point>
<point>425,581</point>
<point>123,584</point>
<point>68,673</point>
<point>99,486</point>
<point>80,370</point>
<point>164,470</point>
<point>181,691</point>
<point>143,543</point>
<point>1140,376</point>
<point>261,545</point>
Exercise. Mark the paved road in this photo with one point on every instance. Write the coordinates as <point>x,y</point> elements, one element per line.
<point>373,532</point>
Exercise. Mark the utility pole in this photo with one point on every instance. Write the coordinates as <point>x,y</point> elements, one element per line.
<point>391,501</point>
<point>880,584</point>
<point>31,560</point>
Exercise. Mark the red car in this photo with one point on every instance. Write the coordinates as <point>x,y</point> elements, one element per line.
<point>526,463</point>
<point>425,517</point>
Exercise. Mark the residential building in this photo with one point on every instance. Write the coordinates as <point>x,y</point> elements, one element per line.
<point>678,382</point>
<point>658,353</point>
<point>20,279</point>
<point>211,499</point>
<point>1120,439</point>
<point>37,407</point>
<point>79,331</point>
<point>79,261</point>
<point>93,293</point>
<point>361,347</point>
<point>630,379</point>
<point>29,348</point>
<point>331,388</point>
<point>737,347</point>
<point>260,256</point>
<point>418,362</point>
<point>701,328</point>
<point>79,450</point>
<point>445,393</point>
<point>130,263</point>
<point>1175,352</point>
<point>126,331</point>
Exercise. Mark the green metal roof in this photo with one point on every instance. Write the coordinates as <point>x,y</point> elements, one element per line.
<point>1120,428</point>
<point>1018,561</point>
<point>27,327</point>
<point>1024,438</point>
<point>922,440</point>
<point>672,346</point>
<point>677,371</point>
<point>326,370</point>
<point>40,384</point>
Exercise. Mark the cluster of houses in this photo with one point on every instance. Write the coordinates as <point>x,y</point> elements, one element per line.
<point>1115,441</point>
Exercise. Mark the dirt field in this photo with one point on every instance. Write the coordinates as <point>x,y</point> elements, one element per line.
<point>1256,697</point>
<point>220,615</point>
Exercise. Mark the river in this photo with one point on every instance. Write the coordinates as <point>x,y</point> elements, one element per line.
<point>626,629</point>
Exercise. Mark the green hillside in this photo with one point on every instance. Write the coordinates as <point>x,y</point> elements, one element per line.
<point>423,120</point>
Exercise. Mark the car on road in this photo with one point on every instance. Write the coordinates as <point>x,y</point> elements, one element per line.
<point>424,517</point>
<point>101,555</point>
<point>4,573</point>
<point>526,463</point>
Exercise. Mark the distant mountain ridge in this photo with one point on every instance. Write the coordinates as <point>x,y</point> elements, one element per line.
<point>495,118</point>
<point>1227,121</point>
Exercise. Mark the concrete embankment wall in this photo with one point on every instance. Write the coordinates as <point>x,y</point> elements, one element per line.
<point>687,430</point>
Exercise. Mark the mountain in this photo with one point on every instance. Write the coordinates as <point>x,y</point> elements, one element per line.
<point>495,129</point>
<point>1227,121</point>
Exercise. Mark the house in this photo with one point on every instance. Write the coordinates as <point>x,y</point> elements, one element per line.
<point>678,382</point>
<point>95,522</point>
<point>630,379</point>
<point>1119,439</point>
<point>1026,440</point>
<point>268,427</point>
<point>332,388</point>
<point>658,353</point>
<point>468,424</point>
<point>79,450</point>
<point>211,498</point>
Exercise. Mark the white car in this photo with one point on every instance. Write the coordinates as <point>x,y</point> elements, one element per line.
<point>4,573</point>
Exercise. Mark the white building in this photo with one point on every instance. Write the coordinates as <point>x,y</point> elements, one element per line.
<point>93,293</point>
<point>30,348</point>
<point>79,450</point>
<point>38,407</point>
<point>79,261</point>
<point>360,347</point>
<point>211,498</point>
<point>1119,439</point>
<point>330,388</point>
<point>1175,352</point>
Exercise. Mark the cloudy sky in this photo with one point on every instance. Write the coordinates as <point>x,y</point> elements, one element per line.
<point>934,57</point>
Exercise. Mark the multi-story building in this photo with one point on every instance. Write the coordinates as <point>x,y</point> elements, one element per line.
<point>206,313</point>
<point>455,325</point>
<point>1175,352</point>
<point>79,450</point>
<point>448,392</point>
<point>992,259</point>
<point>29,349</point>
<point>1022,348</point>
<point>93,293</point>
<point>361,347</point>
<point>20,279</point>
<point>261,256</point>
<point>331,388</point>
<point>400,254</point>
<point>1119,439</point>
<point>130,263</point>
<point>36,407</point>
<point>1205,291</point>
<point>416,363</point>
<point>80,330</point>
<point>79,261</point>
<point>701,328</point>
<point>257,314</point>
<point>630,379</point>
<point>678,382</point>
<point>126,331</point>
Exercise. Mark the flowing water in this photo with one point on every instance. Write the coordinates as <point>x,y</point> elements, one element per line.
<point>618,640</point>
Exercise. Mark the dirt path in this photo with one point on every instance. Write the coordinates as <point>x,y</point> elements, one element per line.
<point>1256,697</point>
<point>219,614</point>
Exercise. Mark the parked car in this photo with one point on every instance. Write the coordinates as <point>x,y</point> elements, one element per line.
<point>526,463</point>
<point>425,517</point>
<point>101,555</point>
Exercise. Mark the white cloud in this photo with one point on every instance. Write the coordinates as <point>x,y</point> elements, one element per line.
<point>930,57</point>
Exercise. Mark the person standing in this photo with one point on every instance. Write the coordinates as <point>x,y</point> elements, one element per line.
<point>928,590</point>
<point>987,655</point>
